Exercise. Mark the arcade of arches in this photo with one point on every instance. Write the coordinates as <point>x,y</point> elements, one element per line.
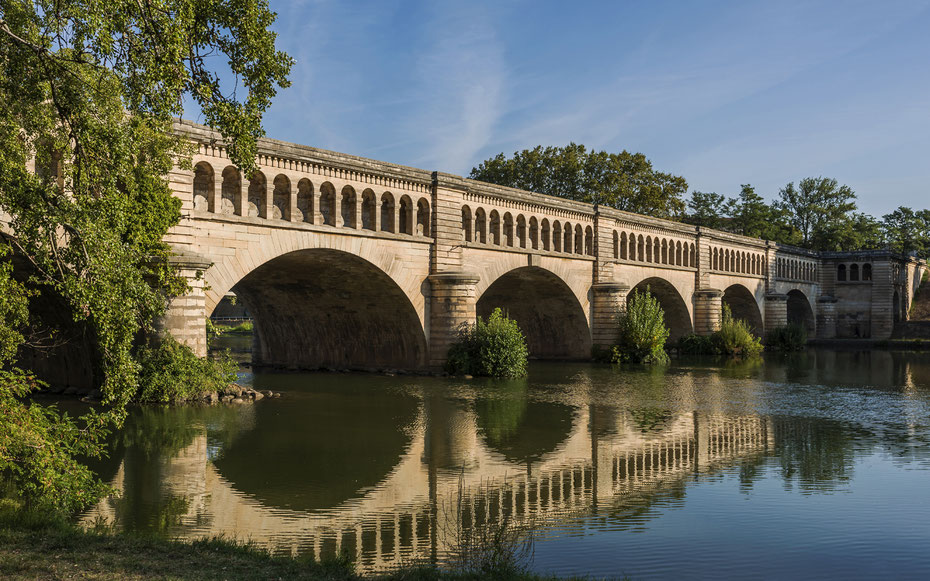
<point>347,262</point>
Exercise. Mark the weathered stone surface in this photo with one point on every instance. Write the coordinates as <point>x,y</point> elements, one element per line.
<point>350,263</point>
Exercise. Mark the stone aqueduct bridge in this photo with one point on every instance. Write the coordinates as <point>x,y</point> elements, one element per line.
<point>350,262</point>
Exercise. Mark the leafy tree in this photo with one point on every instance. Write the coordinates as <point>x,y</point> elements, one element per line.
<point>907,231</point>
<point>626,181</point>
<point>752,216</point>
<point>88,95</point>
<point>707,209</point>
<point>819,209</point>
<point>859,232</point>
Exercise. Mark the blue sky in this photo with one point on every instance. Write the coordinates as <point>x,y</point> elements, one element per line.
<point>723,93</point>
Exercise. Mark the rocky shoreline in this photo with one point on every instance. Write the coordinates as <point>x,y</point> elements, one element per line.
<point>232,394</point>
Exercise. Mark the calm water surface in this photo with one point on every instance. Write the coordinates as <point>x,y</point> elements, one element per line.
<point>813,466</point>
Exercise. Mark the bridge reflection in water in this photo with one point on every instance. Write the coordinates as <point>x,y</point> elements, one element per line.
<point>458,469</point>
<point>390,469</point>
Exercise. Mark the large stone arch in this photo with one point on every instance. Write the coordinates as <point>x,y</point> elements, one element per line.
<point>324,300</point>
<point>545,307</point>
<point>743,305</point>
<point>325,308</point>
<point>233,258</point>
<point>677,315</point>
<point>800,311</point>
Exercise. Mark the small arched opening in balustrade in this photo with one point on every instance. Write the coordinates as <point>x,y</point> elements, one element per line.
<point>304,201</point>
<point>405,215</point>
<point>328,203</point>
<point>369,210</point>
<point>203,187</point>
<point>388,210</point>
<point>481,226</point>
<point>466,224</point>
<point>423,218</point>
<point>495,227</point>
<point>281,198</point>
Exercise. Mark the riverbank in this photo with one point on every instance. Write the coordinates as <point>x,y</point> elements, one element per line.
<point>867,344</point>
<point>38,549</point>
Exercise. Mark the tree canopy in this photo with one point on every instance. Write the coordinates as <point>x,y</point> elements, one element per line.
<point>88,95</point>
<point>818,213</point>
<point>625,181</point>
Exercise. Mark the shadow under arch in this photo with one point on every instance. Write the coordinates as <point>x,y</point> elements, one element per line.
<point>743,305</point>
<point>546,309</point>
<point>677,318</point>
<point>800,311</point>
<point>321,308</point>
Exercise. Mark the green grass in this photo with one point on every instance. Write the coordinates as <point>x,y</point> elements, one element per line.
<point>40,548</point>
<point>243,328</point>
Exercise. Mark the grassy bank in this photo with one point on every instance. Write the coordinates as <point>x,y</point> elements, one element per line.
<point>40,549</point>
<point>243,328</point>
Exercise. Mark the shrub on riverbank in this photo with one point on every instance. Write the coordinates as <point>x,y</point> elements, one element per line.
<point>698,345</point>
<point>39,449</point>
<point>170,372</point>
<point>642,332</point>
<point>791,337</point>
<point>495,348</point>
<point>734,339</point>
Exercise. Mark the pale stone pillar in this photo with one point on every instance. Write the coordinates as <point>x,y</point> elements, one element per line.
<point>358,211</point>
<point>776,311</point>
<point>216,202</point>
<point>452,302</point>
<point>708,304</point>
<point>267,208</point>
<point>185,317</point>
<point>826,317</point>
<point>608,300</point>
<point>292,204</point>
<point>242,205</point>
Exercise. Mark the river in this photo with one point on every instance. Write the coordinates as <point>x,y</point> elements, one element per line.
<point>814,465</point>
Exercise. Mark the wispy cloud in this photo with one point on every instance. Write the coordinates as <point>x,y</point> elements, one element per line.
<point>461,78</point>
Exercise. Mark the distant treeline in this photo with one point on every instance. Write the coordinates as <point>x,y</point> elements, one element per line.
<point>816,213</point>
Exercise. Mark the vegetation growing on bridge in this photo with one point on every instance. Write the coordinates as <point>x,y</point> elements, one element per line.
<point>496,348</point>
<point>642,332</point>
<point>88,95</point>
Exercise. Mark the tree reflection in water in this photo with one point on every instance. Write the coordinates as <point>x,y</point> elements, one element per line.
<point>370,464</point>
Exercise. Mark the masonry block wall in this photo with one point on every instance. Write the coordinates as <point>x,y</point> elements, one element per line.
<point>426,251</point>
